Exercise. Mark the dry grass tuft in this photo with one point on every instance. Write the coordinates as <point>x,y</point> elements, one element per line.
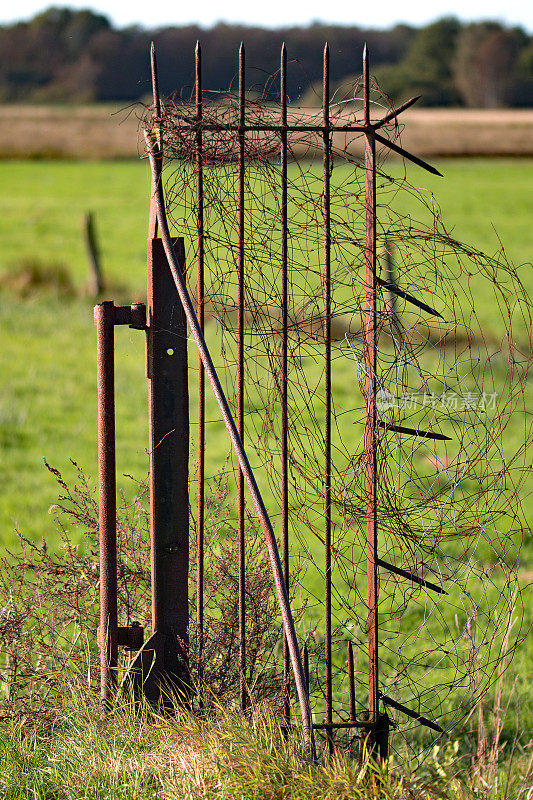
<point>132,754</point>
<point>31,276</point>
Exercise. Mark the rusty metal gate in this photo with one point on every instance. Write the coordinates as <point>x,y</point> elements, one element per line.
<point>162,660</point>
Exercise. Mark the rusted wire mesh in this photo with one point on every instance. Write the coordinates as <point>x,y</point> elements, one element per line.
<point>450,508</point>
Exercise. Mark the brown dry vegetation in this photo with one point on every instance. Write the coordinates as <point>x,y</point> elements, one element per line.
<point>457,132</point>
<point>108,131</point>
<point>97,131</point>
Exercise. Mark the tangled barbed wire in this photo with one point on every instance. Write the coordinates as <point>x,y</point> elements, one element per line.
<point>449,507</point>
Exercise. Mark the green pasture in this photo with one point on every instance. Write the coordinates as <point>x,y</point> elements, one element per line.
<point>48,395</point>
<point>48,399</point>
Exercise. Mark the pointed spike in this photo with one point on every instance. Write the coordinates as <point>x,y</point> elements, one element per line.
<point>396,111</point>
<point>392,287</point>
<point>242,86</point>
<point>283,91</point>
<point>325,86</point>
<point>413,714</point>
<point>400,150</point>
<point>366,86</point>
<point>198,80</point>
<point>411,576</point>
<point>413,431</point>
<point>155,81</point>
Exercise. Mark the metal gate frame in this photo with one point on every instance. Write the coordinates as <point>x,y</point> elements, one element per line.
<point>160,662</point>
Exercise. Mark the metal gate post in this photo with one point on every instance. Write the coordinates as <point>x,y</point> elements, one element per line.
<point>160,670</point>
<point>169,465</point>
<point>104,318</point>
<point>110,636</point>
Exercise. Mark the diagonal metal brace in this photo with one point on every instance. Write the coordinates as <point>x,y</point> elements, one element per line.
<point>288,623</point>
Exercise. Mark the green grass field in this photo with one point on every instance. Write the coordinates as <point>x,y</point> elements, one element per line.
<point>48,396</point>
<point>48,401</point>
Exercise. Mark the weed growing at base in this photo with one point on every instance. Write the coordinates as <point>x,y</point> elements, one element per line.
<point>223,755</point>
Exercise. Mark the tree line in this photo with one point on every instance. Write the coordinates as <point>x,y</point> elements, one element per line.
<point>63,55</point>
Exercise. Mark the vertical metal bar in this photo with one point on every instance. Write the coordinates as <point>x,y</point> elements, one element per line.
<point>351,682</point>
<point>169,464</point>
<point>370,388</point>
<point>327,391</point>
<point>201,376</point>
<point>284,376</point>
<point>108,637</point>
<point>240,379</point>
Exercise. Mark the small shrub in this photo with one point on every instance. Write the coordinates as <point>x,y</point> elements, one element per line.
<point>33,276</point>
<point>49,603</point>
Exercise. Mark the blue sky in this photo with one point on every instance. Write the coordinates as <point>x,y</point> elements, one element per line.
<point>275,12</point>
